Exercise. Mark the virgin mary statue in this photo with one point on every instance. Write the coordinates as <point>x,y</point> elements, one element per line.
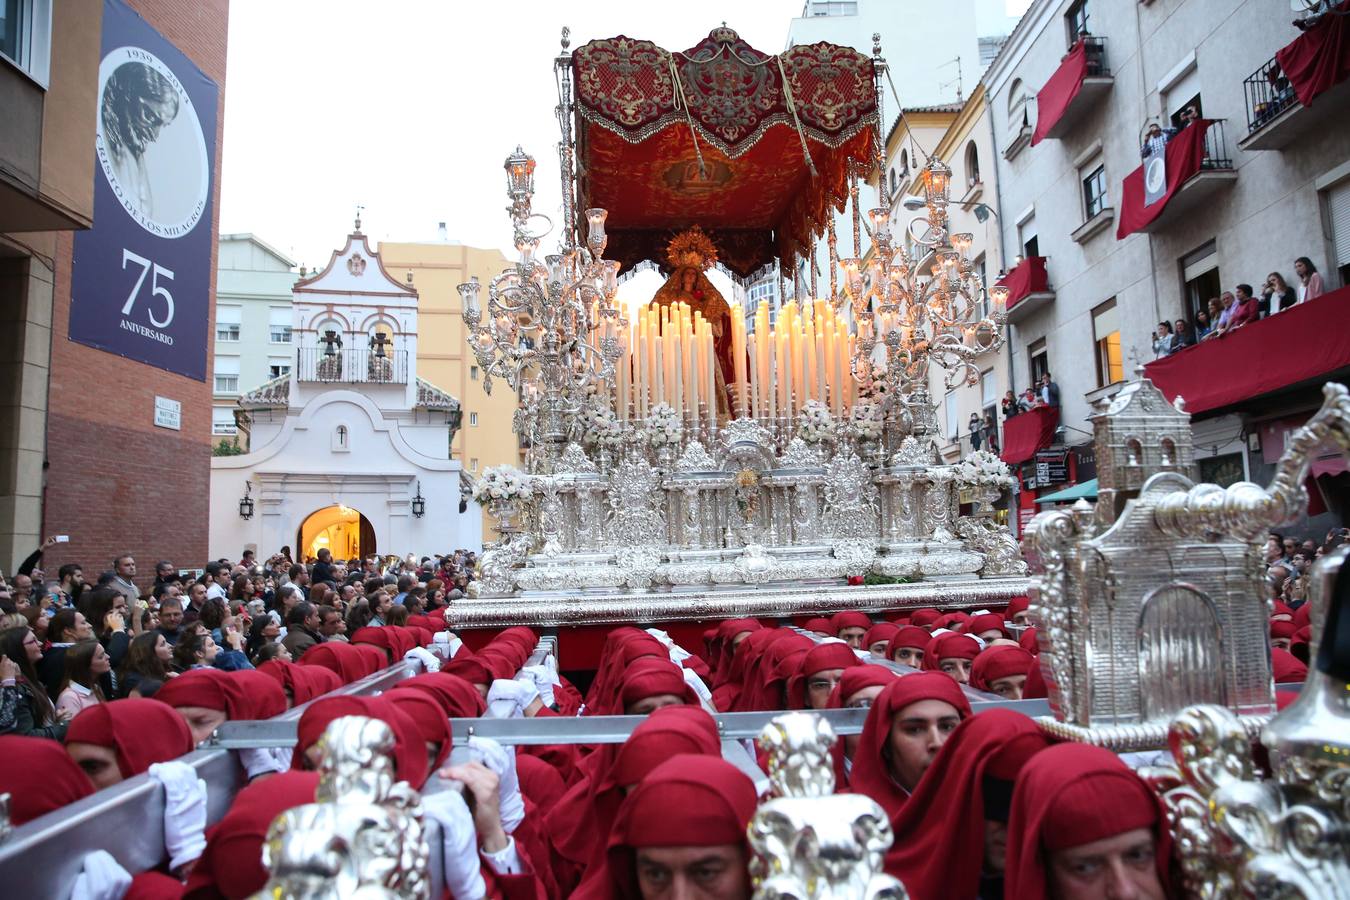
<point>690,254</point>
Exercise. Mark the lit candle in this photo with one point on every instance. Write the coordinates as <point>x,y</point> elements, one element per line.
<point>712,377</point>
<point>754,377</point>
<point>812,370</point>
<point>828,352</point>
<point>783,373</point>
<point>818,365</point>
<point>795,362</point>
<point>677,362</point>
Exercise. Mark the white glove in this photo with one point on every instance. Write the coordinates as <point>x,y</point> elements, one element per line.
<point>541,679</point>
<point>184,811</point>
<point>445,644</point>
<point>677,653</point>
<point>507,699</point>
<point>102,878</point>
<point>501,760</point>
<point>261,761</point>
<point>700,689</point>
<point>430,661</point>
<point>459,844</point>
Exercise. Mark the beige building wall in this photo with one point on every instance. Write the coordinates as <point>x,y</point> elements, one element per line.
<point>485,437</point>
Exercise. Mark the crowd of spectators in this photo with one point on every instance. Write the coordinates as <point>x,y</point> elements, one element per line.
<point>1238,307</point>
<point>89,701</point>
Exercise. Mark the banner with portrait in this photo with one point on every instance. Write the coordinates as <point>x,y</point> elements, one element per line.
<point>141,285</point>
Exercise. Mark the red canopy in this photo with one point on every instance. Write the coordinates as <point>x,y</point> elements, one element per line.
<point>1319,59</point>
<point>1025,433</point>
<point>1026,278</point>
<point>645,115</point>
<point>1184,154</point>
<point>1059,91</point>
<point>1302,343</point>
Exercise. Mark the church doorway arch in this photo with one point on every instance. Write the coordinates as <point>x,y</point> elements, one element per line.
<point>340,529</point>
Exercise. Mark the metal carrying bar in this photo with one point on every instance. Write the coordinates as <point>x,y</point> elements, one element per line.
<point>586,729</point>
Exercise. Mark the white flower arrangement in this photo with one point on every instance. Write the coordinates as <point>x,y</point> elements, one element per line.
<point>601,428</point>
<point>867,419</point>
<point>983,467</point>
<point>814,423</point>
<point>503,482</point>
<point>663,425</point>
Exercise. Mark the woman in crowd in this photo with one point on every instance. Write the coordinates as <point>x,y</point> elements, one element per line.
<point>907,725</point>
<point>25,708</point>
<point>115,741</point>
<point>1276,294</point>
<point>150,657</point>
<point>263,631</point>
<point>1083,825</point>
<point>951,835</point>
<point>86,663</point>
<point>195,650</point>
<point>1203,324</point>
<point>1310,285</point>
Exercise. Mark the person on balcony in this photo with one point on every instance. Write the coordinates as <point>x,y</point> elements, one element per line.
<point>1224,318</point>
<point>1010,405</point>
<point>991,434</point>
<point>1163,340</point>
<point>1048,395</point>
<point>976,432</point>
<point>1309,281</point>
<point>1246,308</point>
<point>1276,295</point>
<point>1155,140</point>
<point>1181,336</point>
<point>1204,323</point>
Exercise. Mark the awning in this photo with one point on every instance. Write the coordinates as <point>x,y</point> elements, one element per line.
<point>1026,278</point>
<point>646,116</point>
<point>1054,98</point>
<point>1027,432</point>
<point>1183,156</point>
<point>1302,343</point>
<point>1319,59</point>
<point>1084,491</point>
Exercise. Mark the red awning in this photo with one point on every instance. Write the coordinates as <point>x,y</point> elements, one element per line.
<point>1027,432</point>
<point>755,195</point>
<point>1319,59</point>
<point>1026,278</point>
<point>1304,342</point>
<point>1054,98</point>
<point>1184,154</point>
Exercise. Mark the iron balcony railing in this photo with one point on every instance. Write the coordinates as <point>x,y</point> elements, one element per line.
<point>1269,93</point>
<point>1095,48</point>
<point>1216,148</point>
<point>351,366</point>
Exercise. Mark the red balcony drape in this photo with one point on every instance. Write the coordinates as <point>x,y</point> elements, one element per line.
<point>1059,91</point>
<point>1026,278</point>
<point>1027,432</point>
<point>1304,342</point>
<point>1319,59</point>
<point>1184,154</point>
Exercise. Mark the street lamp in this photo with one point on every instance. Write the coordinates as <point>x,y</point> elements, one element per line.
<point>246,502</point>
<point>419,503</point>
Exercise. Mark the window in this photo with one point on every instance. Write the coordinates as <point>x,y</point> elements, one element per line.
<point>279,324</point>
<point>1026,237</point>
<point>972,165</point>
<point>473,373</point>
<point>1177,117</point>
<point>227,374</point>
<point>904,163</point>
<point>834,7</point>
<point>1338,214</point>
<point>1076,21</point>
<point>988,389</point>
<point>277,369</point>
<point>949,410</point>
<point>1106,335</point>
<point>982,302</point>
<point>227,322</point>
<point>222,421</point>
<point>1019,106</point>
<point>1039,361</point>
<point>1094,189</point>
<point>1200,278</point>
<point>473,419</point>
<point>26,36</point>
<point>893,182</point>
<point>473,464</point>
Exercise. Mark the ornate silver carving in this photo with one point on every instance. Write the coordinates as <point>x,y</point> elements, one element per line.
<point>810,843</point>
<point>363,835</point>
<point>984,535</point>
<point>695,458</point>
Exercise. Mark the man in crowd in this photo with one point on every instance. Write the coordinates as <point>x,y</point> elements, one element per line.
<point>1049,391</point>
<point>165,573</point>
<point>170,618</point>
<point>217,581</point>
<point>124,575</point>
<point>72,583</point>
<point>302,629</point>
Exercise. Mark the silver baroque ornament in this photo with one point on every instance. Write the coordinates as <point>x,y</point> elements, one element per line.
<point>810,843</point>
<point>362,837</point>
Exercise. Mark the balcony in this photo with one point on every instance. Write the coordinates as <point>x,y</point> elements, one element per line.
<point>1304,344</point>
<point>1275,116</point>
<point>1077,86</point>
<point>1028,287</point>
<point>1198,169</point>
<point>352,366</point>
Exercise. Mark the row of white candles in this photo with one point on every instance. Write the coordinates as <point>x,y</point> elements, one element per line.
<point>668,356</point>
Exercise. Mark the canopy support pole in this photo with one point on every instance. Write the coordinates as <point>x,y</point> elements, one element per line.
<point>562,68</point>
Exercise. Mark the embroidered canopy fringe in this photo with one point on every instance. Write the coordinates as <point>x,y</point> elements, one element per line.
<point>682,102</point>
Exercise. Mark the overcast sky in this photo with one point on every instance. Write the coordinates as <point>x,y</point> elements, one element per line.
<point>410,108</point>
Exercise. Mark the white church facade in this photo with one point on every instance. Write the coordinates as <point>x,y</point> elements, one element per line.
<point>350,450</point>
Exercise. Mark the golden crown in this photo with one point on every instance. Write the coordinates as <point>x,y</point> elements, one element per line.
<point>691,248</point>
